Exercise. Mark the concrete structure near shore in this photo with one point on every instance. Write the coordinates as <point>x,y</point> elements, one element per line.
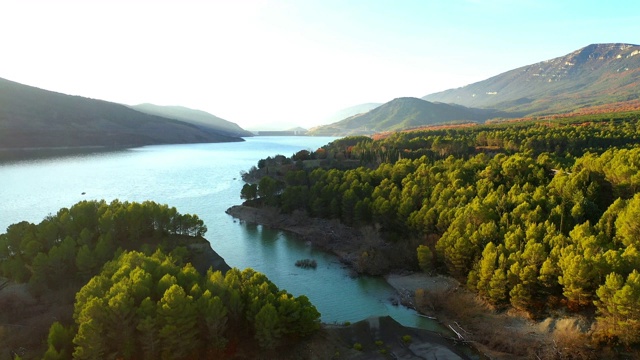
<point>293,132</point>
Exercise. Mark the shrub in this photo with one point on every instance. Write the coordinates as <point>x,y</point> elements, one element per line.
<point>357,346</point>
<point>307,263</point>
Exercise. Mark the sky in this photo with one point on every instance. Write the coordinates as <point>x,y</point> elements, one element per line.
<point>267,64</point>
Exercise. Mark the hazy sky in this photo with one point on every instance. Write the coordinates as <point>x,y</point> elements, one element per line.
<point>256,62</point>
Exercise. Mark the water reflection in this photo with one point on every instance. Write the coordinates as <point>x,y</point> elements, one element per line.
<point>331,287</point>
<point>198,179</point>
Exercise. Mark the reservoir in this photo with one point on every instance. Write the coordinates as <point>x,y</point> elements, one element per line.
<point>202,179</point>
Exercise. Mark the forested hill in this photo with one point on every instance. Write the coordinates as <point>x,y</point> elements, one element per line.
<point>594,75</point>
<point>537,216</point>
<point>34,118</point>
<point>350,111</point>
<point>197,117</point>
<point>133,270</point>
<point>402,113</point>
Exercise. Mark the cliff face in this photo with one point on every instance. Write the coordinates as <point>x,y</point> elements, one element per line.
<point>203,257</point>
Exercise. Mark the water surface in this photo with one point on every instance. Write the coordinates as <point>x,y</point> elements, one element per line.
<point>202,179</point>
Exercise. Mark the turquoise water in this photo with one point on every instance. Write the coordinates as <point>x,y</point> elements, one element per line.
<point>203,179</point>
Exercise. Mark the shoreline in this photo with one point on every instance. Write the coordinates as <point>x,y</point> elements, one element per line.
<point>438,297</point>
<point>341,240</point>
<point>328,235</point>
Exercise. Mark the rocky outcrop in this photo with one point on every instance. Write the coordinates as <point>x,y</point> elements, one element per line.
<point>363,249</point>
<point>202,256</point>
<point>329,235</point>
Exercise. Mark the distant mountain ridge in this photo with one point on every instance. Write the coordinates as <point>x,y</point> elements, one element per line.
<point>594,75</point>
<point>350,111</point>
<point>35,118</point>
<point>400,114</point>
<point>196,117</point>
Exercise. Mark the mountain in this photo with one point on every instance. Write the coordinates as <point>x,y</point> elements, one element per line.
<point>196,117</point>
<point>402,113</point>
<point>34,118</point>
<point>350,111</point>
<point>594,75</point>
<point>298,129</point>
<point>269,126</point>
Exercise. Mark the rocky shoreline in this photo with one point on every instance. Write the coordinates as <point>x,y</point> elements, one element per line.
<point>202,256</point>
<point>343,241</point>
<point>340,240</point>
<point>329,235</point>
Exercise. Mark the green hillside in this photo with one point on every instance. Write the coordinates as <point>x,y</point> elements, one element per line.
<point>350,111</point>
<point>402,113</point>
<point>535,219</point>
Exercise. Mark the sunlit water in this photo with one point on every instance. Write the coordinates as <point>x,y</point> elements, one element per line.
<point>202,179</point>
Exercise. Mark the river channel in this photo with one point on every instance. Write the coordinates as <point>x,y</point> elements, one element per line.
<point>203,179</point>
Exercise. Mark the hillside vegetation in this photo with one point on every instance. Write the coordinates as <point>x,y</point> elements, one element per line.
<point>138,294</point>
<point>402,113</point>
<point>36,118</point>
<point>537,216</point>
<point>349,112</point>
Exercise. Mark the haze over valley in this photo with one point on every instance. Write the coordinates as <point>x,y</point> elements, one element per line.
<point>261,63</point>
<point>597,75</point>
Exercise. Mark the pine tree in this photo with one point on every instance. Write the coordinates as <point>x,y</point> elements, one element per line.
<point>119,324</point>
<point>90,340</point>
<point>268,329</point>
<point>59,342</point>
<point>213,315</point>
<point>627,224</point>
<point>177,317</point>
<point>618,308</point>
<point>498,287</point>
<point>486,268</point>
<point>147,327</point>
<point>577,277</point>
<point>425,257</point>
